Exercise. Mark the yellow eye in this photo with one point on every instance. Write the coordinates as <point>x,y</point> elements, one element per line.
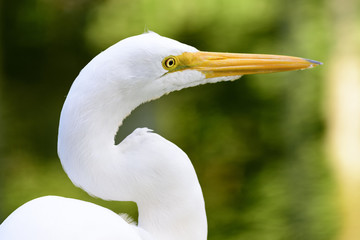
<point>169,63</point>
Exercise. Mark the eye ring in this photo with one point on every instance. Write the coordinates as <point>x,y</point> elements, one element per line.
<point>169,62</point>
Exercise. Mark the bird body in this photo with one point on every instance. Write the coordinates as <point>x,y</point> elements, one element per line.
<point>49,218</point>
<point>144,167</point>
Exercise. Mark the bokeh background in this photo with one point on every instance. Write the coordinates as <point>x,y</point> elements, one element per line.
<point>277,155</point>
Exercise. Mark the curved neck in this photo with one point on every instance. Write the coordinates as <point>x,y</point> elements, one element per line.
<point>89,121</point>
<point>179,218</point>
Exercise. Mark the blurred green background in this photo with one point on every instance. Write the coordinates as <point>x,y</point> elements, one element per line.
<point>260,145</point>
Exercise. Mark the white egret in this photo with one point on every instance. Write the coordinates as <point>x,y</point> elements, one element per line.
<point>144,167</point>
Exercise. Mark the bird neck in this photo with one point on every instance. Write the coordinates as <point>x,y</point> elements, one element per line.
<point>89,121</point>
<point>178,217</point>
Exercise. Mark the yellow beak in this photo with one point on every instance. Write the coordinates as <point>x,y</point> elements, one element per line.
<point>214,64</point>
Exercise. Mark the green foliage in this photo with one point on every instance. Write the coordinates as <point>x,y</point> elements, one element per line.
<point>256,143</point>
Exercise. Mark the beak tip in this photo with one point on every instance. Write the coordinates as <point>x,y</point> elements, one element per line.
<point>314,62</point>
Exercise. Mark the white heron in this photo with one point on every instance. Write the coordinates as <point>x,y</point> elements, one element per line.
<point>144,168</point>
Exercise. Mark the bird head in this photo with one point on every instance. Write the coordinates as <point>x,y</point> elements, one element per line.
<point>156,65</point>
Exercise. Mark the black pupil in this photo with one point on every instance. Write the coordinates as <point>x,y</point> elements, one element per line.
<point>170,62</point>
